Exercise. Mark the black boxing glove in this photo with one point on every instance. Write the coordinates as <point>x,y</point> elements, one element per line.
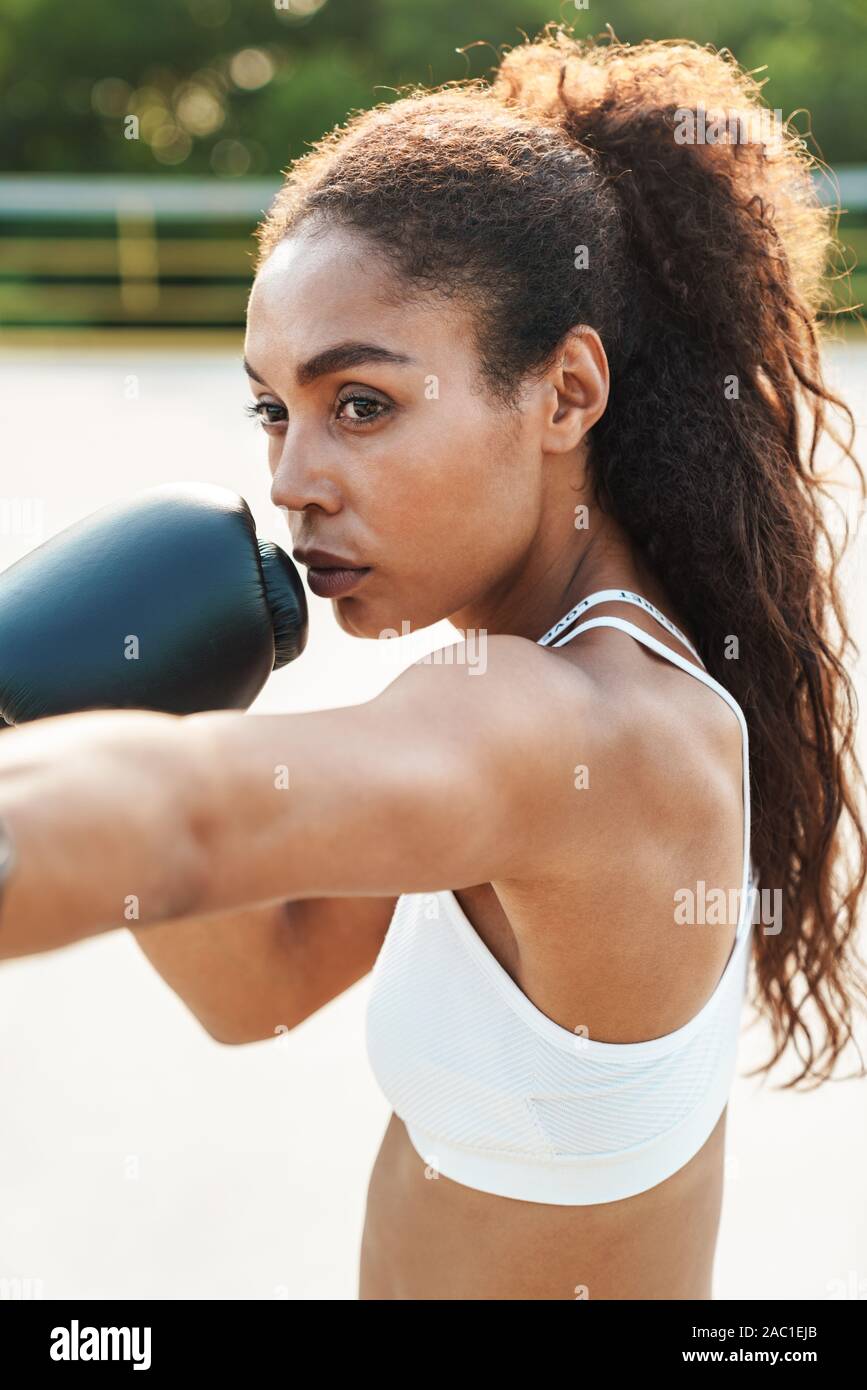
<point>166,601</point>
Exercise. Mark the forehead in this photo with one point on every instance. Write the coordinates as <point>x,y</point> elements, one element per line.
<point>336,286</point>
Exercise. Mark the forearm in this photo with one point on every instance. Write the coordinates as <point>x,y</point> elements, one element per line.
<point>234,971</point>
<point>97,809</point>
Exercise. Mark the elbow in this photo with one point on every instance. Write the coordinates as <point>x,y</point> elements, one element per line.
<point>231,1034</point>
<point>227,1032</point>
<point>228,1040</point>
<point>229,1037</point>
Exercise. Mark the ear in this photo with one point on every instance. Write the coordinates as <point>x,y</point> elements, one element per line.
<point>576,390</point>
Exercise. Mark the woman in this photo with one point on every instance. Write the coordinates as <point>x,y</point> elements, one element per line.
<point>528,360</point>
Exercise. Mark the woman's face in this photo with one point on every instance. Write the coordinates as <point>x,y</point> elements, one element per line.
<point>391,456</point>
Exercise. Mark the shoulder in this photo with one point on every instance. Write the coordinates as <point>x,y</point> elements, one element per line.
<point>502,688</point>
<point>552,752</point>
<point>639,731</point>
<point>514,723</point>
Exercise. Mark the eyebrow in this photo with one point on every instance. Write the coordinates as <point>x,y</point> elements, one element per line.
<point>338,358</point>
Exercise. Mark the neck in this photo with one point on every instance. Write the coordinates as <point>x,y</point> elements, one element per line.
<point>529,600</point>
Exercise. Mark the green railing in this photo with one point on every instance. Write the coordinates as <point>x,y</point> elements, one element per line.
<point>104,252</point>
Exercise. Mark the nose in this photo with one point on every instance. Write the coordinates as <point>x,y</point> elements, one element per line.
<point>300,481</point>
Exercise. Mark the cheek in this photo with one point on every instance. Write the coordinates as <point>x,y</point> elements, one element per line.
<point>461,462</point>
<point>470,516</point>
<point>450,510</point>
<point>487,486</point>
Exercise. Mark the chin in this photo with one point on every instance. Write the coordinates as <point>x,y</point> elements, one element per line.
<point>361,619</point>
<point>352,618</point>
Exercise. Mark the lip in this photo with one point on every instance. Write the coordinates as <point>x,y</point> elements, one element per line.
<point>325,560</point>
<point>330,576</point>
<point>334,582</point>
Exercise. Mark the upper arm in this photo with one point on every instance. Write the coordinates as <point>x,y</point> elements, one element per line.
<point>250,974</point>
<point>451,777</point>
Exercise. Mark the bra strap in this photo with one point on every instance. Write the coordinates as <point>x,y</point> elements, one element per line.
<point>611,596</point>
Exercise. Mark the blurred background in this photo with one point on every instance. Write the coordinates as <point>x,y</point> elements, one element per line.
<point>139,144</point>
<point>139,147</point>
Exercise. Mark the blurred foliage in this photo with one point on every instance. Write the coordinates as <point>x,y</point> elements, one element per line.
<point>240,87</point>
<point>235,88</point>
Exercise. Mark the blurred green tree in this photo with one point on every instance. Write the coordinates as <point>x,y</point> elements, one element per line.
<point>237,87</point>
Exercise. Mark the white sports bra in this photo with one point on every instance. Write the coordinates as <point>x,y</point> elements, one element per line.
<point>496,1095</point>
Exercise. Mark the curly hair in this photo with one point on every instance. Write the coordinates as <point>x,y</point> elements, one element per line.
<point>566,191</point>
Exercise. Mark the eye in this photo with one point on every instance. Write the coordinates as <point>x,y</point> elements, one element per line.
<point>258,411</point>
<point>365,407</point>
